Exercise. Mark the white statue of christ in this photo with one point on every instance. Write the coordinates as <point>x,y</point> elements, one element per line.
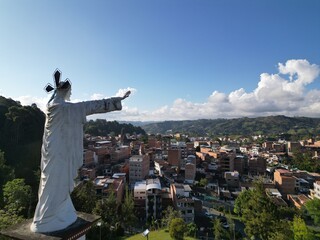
<point>62,154</point>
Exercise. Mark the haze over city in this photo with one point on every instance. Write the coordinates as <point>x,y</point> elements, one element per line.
<point>181,59</point>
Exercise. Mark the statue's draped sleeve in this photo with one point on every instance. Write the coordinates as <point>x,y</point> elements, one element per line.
<point>101,106</point>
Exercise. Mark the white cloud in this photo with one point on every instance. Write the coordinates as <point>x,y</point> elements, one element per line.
<point>96,96</point>
<point>28,100</point>
<point>285,92</point>
<point>122,92</point>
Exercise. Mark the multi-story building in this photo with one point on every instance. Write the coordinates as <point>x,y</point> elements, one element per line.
<point>293,146</point>
<point>87,173</point>
<point>153,142</point>
<point>137,147</point>
<point>105,185</point>
<point>189,159</point>
<point>89,157</point>
<point>165,144</point>
<point>190,172</point>
<point>257,165</point>
<point>120,153</point>
<point>182,201</point>
<point>302,185</point>
<point>278,147</point>
<point>284,181</point>
<point>255,150</point>
<point>139,196</point>
<point>148,199</point>
<point>103,150</point>
<point>190,148</point>
<point>226,162</point>
<point>153,199</point>
<point>232,179</point>
<point>139,166</point>
<point>174,157</point>
<point>240,164</point>
<point>267,146</point>
<point>182,146</point>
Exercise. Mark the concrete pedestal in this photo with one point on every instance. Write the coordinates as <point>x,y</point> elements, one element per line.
<point>75,231</point>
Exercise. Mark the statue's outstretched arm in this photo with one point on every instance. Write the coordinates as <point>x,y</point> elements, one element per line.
<point>126,95</point>
<point>104,105</point>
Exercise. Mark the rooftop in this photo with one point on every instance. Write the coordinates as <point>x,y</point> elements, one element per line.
<point>280,170</point>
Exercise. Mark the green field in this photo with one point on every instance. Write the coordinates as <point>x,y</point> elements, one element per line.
<point>155,235</point>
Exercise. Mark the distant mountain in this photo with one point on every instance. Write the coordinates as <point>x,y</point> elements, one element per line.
<point>137,123</point>
<point>272,125</point>
<point>101,127</point>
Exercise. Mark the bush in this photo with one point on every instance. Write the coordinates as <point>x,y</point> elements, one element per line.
<point>177,228</point>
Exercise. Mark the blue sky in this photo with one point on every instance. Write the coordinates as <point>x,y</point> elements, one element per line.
<point>182,59</point>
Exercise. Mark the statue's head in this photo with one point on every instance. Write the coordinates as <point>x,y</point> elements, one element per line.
<point>62,90</point>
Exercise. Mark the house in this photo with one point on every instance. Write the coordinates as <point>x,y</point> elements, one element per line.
<point>105,185</point>
<point>297,200</point>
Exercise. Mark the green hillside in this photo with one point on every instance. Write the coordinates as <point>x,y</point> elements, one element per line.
<point>272,125</point>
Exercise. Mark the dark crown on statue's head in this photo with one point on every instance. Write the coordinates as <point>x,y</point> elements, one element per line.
<point>59,85</point>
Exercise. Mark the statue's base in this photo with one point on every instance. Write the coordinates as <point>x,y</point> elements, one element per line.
<point>78,229</point>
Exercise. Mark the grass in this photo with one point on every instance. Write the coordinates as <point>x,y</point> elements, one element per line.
<point>155,235</point>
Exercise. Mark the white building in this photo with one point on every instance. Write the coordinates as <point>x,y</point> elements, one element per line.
<point>138,168</point>
<point>316,189</point>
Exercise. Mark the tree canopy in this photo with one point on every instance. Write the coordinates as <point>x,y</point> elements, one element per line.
<point>313,208</point>
<point>101,127</point>
<point>257,212</point>
<point>177,228</point>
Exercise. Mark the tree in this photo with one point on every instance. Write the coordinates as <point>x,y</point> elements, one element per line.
<point>84,197</point>
<point>282,231</point>
<point>7,219</point>
<point>168,215</point>
<point>107,208</point>
<point>300,230</point>
<point>305,161</point>
<point>127,209</point>
<point>232,226</point>
<point>191,229</point>
<point>258,213</point>
<point>203,182</point>
<point>218,230</point>
<point>177,228</point>
<point>242,201</point>
<point>6,173</point>
<point>313,208</point>
<point>16,115</point>
<point>17,197</point>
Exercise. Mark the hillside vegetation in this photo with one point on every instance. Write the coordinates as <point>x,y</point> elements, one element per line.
<point>21,130</point>
<point>272,125</point>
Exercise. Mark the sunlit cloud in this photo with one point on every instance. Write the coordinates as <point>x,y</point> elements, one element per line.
<point>96,96</point>
<point>28,100</point>
<point>122,92</point>
<point>281,93</point>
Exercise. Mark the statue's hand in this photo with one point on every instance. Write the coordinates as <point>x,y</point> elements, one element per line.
<point>126,95</point>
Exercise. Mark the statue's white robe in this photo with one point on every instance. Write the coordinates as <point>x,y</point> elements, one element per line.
<point>61,157</point>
